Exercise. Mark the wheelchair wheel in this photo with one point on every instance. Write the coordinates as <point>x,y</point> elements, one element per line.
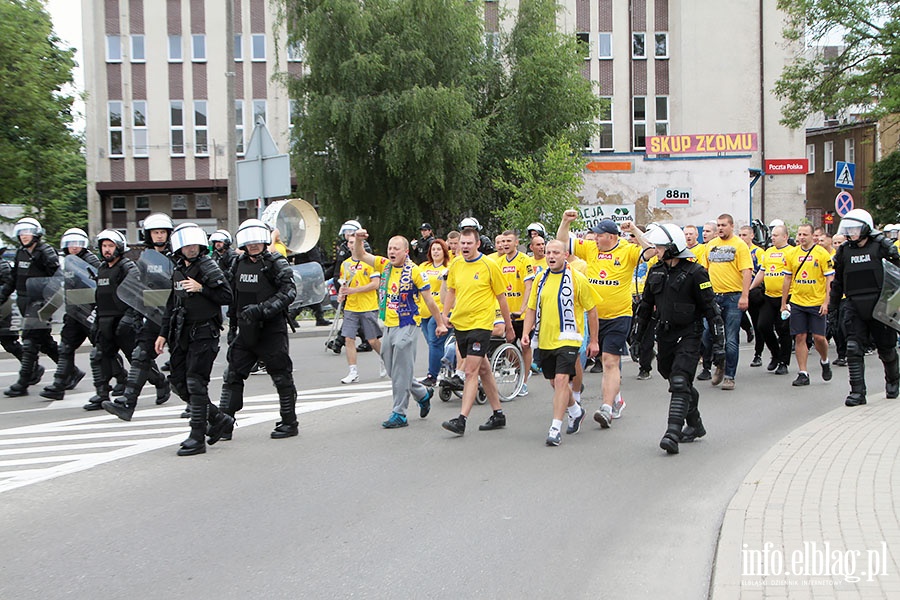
<point>481,398</point>
<point>508,368</point>
<point>444,393</point>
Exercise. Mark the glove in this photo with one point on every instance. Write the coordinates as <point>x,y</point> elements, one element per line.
<point>126,323</point>
<point>251,313</point>
<point>831,322</point>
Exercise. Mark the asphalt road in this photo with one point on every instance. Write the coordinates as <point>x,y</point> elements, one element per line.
<point>91,507</point>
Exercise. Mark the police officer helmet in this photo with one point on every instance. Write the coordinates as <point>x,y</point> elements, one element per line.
<point>74,237</point>
<point>470,222</point>
<point>116,238</point>
<point>857,222</point>
<point>349,227</point>
<point>30,226</point>
<point>221,235</point>
<point>670,237</point>
<point>157,221</point>
<point>253,231</point>
<point>537,227</point>
<point>188,234</point>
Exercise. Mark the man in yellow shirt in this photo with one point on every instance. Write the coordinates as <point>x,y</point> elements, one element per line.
<point>776,332</point>
<point>360,294</point>
<point>728,261</point>
<point>810,269</point>
<point>555,310</point>
<point>402,283</point>
<point>538,259</point>
<point>474,287</point>
<point>611,263</point>
<point>518,274</point>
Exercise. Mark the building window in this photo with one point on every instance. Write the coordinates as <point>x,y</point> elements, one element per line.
<point>138,52</point>
<point>295,52</point>
<point>492,43</point>
<point>179,202</point>
<point>638,45</point>
<point>139,128</point>
<point>115,128</point>
<point>201,146</point>
<point>259,111</point>
<point>175,54</point>
<point>584,42</point>
<point>662,115</point>
<point>639,122</point>
<point>203,201</point>
<point>661,50</point>
<point>850,150</point>
<point>114,48</point>
<point>259,47</point>
<point>828,157</point>
<point>142,202</point>
<point>239,126</point>
<point>238,48</point>
<point>118,204</point>
<point>811,158</point>
<point>176,127</point>
<point>606,124</point>
<point>198,48</point>
<point>604,46</point>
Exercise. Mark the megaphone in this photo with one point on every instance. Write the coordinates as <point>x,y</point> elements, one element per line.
<point>297,222</point>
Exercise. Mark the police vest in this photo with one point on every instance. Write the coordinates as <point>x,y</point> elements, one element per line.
<point>251,283</point>
<point>197,307</point>
<point>675,296</point>
<point>863,271</point>
<point>28,267</point>
<point>108,280</point>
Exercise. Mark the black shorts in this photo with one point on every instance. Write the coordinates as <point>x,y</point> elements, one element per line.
<point>517,327</point>
<point>473,342</point>
<point>806,319</point>
<point>559,361</point>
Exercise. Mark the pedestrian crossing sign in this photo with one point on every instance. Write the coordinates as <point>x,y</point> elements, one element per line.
<point>844,174</point>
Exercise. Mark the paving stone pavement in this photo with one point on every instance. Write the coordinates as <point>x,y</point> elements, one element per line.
<point>816,517</point>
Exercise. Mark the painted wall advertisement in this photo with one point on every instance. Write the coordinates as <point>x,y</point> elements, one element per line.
<point>592,214</point>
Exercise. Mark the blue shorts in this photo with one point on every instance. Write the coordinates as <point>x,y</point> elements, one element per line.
<point>613,334</point>
<point>806,319</point>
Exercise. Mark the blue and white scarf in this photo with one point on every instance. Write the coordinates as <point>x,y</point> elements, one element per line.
<point>565,304</point>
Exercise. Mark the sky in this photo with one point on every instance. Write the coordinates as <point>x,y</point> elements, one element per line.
<point>66,15</point>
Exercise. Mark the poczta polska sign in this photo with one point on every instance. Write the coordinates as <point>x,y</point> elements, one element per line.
<point>702,143</point>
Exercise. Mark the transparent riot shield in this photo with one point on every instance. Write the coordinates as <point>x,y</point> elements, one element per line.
<point>887,309</point>
<point>310,282</point>
<point>80,288</point>
<point>10,319</point>
<point>46,301</point>
<point>147,289</point>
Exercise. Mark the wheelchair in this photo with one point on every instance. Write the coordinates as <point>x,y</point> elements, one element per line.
<point>507,365</point>
<point>334,341</point>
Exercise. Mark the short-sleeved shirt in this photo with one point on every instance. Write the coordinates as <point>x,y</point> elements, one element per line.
<point>538,265</point>
<point>809,275</point>
<point>725,260</point>
<point>435,276</point>
<point>699,254</point>
<point>358,274</point>
<point>773,261</point>
<point>612,271</point>
<point>477,284</point>
<point>583,295</point>
<point>516,272</point>
<point>404,286</point>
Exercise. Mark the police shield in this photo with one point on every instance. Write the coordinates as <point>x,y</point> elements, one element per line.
<point>310,283</point>
<point>46,300</point>
<point>887,309</point>
<point>147,289</point>
<point>80,288</point>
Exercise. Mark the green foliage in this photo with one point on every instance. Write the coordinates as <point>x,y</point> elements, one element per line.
<point>864,72</point>
<point>883,195</point>
<point>41,164</point>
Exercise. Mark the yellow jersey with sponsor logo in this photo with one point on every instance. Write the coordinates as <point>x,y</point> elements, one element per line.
<point>582,296</point>
<point>538,265</point>
<point>773,265</point>
<point>404,286</point>
<point>612,271</point>
<point>699,254</point>
<point>435,276</point>
<point>725,260</point>
<point>477,283</point>
<point>515,271</point>
<point>358,274</point>
<point>809,275</point>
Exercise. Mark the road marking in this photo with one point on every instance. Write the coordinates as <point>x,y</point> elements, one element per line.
<point>100,439</point>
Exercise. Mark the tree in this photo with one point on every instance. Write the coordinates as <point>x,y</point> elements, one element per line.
<point>41,162</point>
<point>864,71</point>
<point>883,195</point>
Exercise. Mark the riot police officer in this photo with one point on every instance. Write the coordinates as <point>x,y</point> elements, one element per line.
<point>76,328</point>
<point>191,327</point>
<point>859,275</point>
<point>681,292</point>
<point>9,339</point>
<point>35,258</point>
<point>263,290</point>
<point>222,253</point>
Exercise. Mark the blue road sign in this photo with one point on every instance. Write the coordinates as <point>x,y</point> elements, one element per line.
<point>844,175</point>
<point>843,203</point>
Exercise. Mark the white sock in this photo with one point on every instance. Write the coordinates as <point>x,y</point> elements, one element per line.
<point>804,373</point>
<point>461,374</point>
<point>575,410</point>
<point>556,424</point>
<point>618,397</point>
<point>353,368</point>
<point>824,362</point>
<point>577,397</point>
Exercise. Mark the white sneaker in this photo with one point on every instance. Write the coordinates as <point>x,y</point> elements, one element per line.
<point>352,377</point>
<point>618,406</point>
<point>524,390</point>
<point>382,370</point>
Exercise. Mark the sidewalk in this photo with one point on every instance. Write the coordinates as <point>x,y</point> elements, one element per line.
<point>816,517</point>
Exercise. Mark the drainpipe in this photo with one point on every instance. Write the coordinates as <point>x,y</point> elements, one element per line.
<point>762,121</point>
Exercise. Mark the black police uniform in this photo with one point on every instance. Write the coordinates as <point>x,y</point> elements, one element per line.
<point>420,250</point>
<point>41,261</point>
<point>859,274</point>
<point>683,297</point>
<point>191,327</point>
<point>113,328</point>
<point>263,290</point>
<point>9,340</point>
<point>225,259</point>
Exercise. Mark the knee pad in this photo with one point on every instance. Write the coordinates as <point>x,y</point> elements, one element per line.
<point>679,384</point>
<point>854,349</point>
<point>196,387</point>
<point>28,344</point>
<point>282,379</point>
<point>229,377</point>
<point>140,355</point>
<point>179,388</point>
<point>888,355</point>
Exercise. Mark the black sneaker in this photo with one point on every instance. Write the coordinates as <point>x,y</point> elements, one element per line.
<point>704,375</point>
<point>839,362</point>
<point>322,322</point>
<point>429,381</point>
<point>455,382</point>
<point>782,369</point>
<point>425,403</point>
<point>802,379</point>
<point>364,347</point>
<point>826,371</point>
<point>454,425</point>
<point>773,364</point>
<point>643,375</point>
<point>495,421</point>
<point>756,362</point>
<point>597,368</point>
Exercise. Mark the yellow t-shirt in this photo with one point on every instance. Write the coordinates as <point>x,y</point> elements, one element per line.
<point>725,260</point>
<point>477,284</point>
<point>435,276</point>
<point>515,272</point>
<point>583,296</point>
<point>358,274</point>
<point>638,281</point>
<point>613,271</point>
<point>538,265</point>
<point>401,307</point>
<point>809,280</point>
<point>280,248</point>
<point>773,263</point>
<point>700,254</point>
